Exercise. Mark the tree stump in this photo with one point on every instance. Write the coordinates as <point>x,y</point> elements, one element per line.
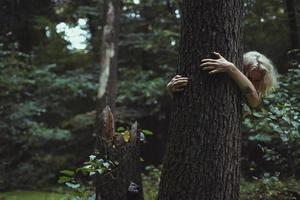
<point>124,181</point>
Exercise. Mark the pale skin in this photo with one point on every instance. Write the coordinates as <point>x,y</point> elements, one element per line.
<point>221,65</point>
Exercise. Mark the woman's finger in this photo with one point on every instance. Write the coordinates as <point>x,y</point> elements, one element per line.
<point>217,54</point>
<point>208,68</point>
<point>183,78</point>
<point>216,64</point>
<point>216,71</point>
<point>180,82</point>
<point>208,60</point>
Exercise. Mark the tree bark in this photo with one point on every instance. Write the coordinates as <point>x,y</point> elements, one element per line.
<point>202,158</point>
<point>294,37</point>
<point>109,53</point>
<point>17,22</point>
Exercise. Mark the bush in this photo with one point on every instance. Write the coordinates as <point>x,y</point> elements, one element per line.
<point>275,128</point>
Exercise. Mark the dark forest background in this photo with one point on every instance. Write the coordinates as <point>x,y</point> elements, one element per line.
<point>48,85</point>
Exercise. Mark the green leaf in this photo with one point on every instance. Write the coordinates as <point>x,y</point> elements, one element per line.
<point>67,172</point>
<point>72,185</point>
<point>92,157</point>
<point>147,132</point>
<point>120,129</point>
<point>142,137</point>
<point>63,179</point>
<point>260,137</point>
<point>284,138</point>
<point>286,119</point>
<point>126,136</point>
<point>256,114</point>
<point>92,173</point>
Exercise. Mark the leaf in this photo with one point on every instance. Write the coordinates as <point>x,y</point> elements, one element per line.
<point>120,129</point>
<point>93,197</point>
<point>126,136</point>
<point>92,157</point>
<point>92,173</point>
<point>63,179</point>
<point>72,185</point>
<point>256,114</point>
<point>286,119</point>
<point>142,137</point>
<point>106,164</point>
<point>147,132</point>
<point>67,172</point>
<point>284,138</point>
<point>260,137</point>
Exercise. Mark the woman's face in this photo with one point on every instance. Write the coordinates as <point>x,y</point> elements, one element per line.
<point>257,74</point>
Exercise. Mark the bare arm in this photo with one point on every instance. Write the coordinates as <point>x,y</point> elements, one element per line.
<point>246,87</point>
<point>222,65</point>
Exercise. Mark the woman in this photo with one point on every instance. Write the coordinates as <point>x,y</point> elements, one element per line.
<point>259,78</point>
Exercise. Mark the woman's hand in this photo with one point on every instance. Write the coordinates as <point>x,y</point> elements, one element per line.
<point>177,83</point>
<point>222,65</point>
<point>217,65</point>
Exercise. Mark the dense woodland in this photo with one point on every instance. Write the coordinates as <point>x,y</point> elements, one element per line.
<point>49,86</point>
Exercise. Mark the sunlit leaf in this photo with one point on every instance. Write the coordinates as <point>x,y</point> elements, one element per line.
<point>126,136</point>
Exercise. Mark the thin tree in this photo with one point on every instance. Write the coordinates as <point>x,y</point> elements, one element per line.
<point>202,158</point>
<point>292,19</point>
<point>124,181</point>
<point>109,54</point>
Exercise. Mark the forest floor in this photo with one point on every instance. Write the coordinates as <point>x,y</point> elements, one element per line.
<point>30,195</point>
<point>249,190</point>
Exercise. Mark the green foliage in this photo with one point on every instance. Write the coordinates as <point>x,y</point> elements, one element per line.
<point>77,187</point>
<point>261,20</point>
<point>34,100</point>
<point>47,96</point>
<point>30,195</point>
<point>144,89</point>
<point>269,188</point>
<point>276,127</point>
<point>265,188</point>
<point>151,179</point>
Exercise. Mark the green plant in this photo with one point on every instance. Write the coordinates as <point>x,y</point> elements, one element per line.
<point>151,179</point>
<point>77,186</point>
<point>275,128</point>
<point>267,188</point>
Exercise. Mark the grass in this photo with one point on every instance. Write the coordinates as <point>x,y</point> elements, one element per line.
<point>30,195</point>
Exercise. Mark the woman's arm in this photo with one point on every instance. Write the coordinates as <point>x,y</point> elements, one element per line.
<point>222,65</point>
<point>246,87</point>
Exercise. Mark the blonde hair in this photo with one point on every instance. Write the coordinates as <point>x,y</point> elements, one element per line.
<point>254,59</point>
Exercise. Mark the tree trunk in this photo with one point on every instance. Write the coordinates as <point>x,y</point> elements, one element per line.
<point>124,181</point>
<point>202,158</point>
<point>290,9</point>
<point>109,52</point>
<point>17,22</point>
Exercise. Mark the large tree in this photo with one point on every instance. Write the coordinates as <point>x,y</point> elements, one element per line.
<point>202,159</point>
